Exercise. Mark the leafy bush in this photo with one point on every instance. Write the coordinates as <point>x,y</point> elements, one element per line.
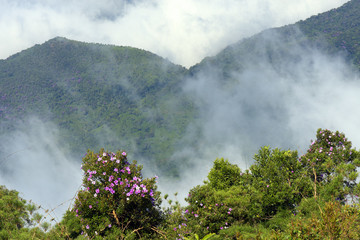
<point>215,206</point>
<point>223,174</point>
<point>335,221</point>
<point>16,216</point>
<point>280,177</point>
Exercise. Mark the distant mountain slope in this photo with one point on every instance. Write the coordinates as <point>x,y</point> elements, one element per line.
<point>336,31</point>
<point>100,96</point>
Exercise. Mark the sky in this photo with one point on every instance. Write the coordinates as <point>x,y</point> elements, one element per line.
<point>183,31</point>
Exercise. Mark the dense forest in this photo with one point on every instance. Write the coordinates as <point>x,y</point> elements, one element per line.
<point>259,93</point>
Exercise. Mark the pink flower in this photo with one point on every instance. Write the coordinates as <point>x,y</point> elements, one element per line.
<point>124,153</point>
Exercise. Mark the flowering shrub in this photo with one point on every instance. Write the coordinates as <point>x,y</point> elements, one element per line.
<point>200,218</point>
<point>331,164</point>
<point>115,195</point>
<point>215,206</point>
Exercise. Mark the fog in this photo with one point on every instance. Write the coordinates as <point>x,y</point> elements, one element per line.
<point>39,168</point>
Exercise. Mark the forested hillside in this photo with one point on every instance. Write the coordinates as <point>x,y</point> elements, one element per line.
<point>98,96</point>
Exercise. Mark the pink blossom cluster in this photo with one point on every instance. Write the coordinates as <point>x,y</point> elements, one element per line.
<point>110,177</point>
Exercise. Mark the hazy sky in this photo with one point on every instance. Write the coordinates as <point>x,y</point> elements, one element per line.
<point>184,31</point>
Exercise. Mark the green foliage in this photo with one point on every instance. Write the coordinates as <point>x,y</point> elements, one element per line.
<point>196,237</point>
<point>115,197</point>
<point>13,213</point>
<point>280,177</point>
<point>211,210</point>
<point>223,174</point>
<point>68,228</point>
<point>16,216</point>
<point>335,221</point>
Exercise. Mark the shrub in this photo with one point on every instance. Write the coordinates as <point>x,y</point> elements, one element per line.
<point>279,176</point>
<point>331,164</point>
<point>335,221</point>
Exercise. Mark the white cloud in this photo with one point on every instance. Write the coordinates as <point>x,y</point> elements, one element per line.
<point>183,31</point>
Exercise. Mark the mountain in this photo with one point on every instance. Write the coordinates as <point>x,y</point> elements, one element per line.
<point>98,95</point>
<point>110,96</point>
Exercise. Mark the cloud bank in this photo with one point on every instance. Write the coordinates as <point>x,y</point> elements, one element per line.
<point>183,31</point>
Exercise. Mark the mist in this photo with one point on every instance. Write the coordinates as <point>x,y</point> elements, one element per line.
<point>279,103</point>
<point>182,31</point>
<point>37,166</point>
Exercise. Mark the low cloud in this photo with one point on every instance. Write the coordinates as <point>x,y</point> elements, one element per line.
<point>36,165</point>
